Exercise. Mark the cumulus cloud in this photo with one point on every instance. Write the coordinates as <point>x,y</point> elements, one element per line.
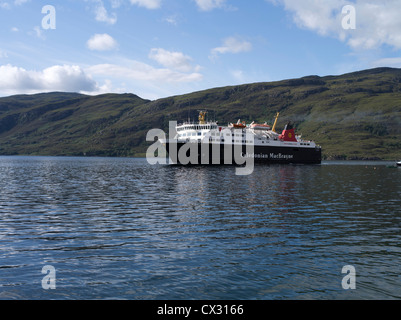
<point>101,78</point>
<point>101,42</point>
<point>149,4</point>
<point>377,21</point>
<point>174,60</point>
<point>56,78</point>
<point>320,16</point>
<point>232,45</point>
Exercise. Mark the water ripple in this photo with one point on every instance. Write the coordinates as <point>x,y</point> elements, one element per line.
<point>122,229</point>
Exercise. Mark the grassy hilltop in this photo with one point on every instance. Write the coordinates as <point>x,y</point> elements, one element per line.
<point>352,116</point>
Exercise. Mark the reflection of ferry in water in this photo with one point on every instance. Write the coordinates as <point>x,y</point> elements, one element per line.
<point>214,144</point>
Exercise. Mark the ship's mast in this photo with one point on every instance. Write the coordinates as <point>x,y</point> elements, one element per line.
<point>202,117</point>
<point>275,122</point>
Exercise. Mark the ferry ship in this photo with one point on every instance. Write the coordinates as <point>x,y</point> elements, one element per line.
<point>206,142</point>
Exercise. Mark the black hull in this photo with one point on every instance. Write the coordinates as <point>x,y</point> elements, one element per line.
<point>209,154</point>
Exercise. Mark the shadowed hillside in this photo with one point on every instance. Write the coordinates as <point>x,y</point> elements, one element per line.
<point>352,116</point>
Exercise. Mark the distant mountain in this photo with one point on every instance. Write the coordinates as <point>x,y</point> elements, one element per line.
<point>352,116</point>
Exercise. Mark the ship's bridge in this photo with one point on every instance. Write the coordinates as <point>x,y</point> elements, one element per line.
<point>196,127</point>
<point>196,131</point>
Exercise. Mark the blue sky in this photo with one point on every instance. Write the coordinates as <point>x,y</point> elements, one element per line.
<point>160,48</point>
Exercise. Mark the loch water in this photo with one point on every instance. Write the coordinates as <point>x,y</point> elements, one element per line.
<point>120,228</point>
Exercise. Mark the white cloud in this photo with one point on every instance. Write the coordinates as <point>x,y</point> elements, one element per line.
<point>101,13</point>
<point>207,5</point>
<point>171,20</point>
<point>377,21</point>
<point>149,4</point>
<point>103,16</point>
<point>128,76</point>
<point>320,16</point>
<point>144,79</point>
<point>56,78</point>
<point>232,45</point>
<point>102,42</point>
<point>174,60</point>
<point>135,70</point>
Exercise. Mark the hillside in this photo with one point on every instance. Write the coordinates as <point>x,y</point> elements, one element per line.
<point>352,116</point>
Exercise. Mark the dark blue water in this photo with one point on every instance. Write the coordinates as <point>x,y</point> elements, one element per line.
<point>122,229</point>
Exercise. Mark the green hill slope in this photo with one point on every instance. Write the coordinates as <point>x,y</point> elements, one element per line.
<point>352,116</point>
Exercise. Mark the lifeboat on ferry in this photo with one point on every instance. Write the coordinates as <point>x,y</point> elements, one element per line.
<point>238,125</point>
<point>258,126</point>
